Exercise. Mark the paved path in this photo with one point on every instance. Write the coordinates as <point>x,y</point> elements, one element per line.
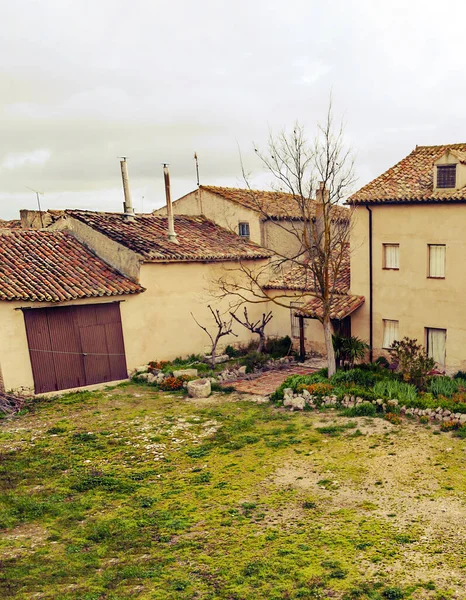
<point>268,382</point>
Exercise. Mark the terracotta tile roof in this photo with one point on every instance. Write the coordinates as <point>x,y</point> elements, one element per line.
<point>52,266</point>
<point>199,238</point>
<point>412,179</point>
<point>342,305</point>
<point>13,224</point>
<point>275,205</point>
<point>301,279</point>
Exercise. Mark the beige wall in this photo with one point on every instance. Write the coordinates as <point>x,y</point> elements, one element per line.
<point>174,290</point>
<point>225,213</point>
<point>157,324</point>
<point>275,236</point>
<point>408,295</point>
<point>281,237</point>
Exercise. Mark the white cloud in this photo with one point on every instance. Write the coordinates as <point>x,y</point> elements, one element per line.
<point>21,159</point>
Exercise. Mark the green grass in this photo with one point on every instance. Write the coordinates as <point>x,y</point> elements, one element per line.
<point>131,493</point>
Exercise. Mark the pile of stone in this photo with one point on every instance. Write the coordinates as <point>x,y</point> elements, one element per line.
<point>144,375</point>
<point>232,374</point>
<point>305,399</point>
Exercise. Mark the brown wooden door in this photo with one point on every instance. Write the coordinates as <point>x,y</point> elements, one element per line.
<point>75,346</point>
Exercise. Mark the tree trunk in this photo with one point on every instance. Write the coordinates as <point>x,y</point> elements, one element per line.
<point>328,330</point>
<point>261,342</point>
<point>213,354</point>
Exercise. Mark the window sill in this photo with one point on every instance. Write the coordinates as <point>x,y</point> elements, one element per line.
<point>390,268</point>
<point>429,277</point>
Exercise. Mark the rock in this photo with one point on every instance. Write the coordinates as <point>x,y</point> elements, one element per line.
<point>358,400</point>
<point>218,359</point>
<point>288,392</point>
<point>151,378</point>
<point>463,419</point>
<point>306,395</point>
<point>298,403</point>
<point>379,401</point>
<point>392,402</point>
<point>143,376</point>
<point>160,377</point>
<point>187,372</point>
<point>199,388</point>
<point>242,370</point>
<point>142,369</point>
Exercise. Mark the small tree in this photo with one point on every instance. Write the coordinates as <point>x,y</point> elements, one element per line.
<point>223,328</point>
<point>255,327</point>
<point>317,177</point>
<point>348,350</point>
<point>411,360</point>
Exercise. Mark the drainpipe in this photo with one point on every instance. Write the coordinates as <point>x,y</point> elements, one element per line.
<point>128,203</point>
<point>371,313</point>
<point>171,222</point>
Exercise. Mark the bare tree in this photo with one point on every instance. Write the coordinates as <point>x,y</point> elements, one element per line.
<point>223,328</point>
<point>319,225</point>
<point>256,326</point>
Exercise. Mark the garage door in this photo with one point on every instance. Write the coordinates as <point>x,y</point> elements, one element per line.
<point>75,346</point>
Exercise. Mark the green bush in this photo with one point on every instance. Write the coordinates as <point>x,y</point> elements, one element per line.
<point>254,360</point>
<point>348,350</point>
<point>445,386</point>
<point>278,347</point>
<point>412,360</point>
<point>354,377</point>
<point>389,388</point>
<point>361,392</point>
<point>366,409</point>
<point>232,352</point>
<point>381,361</point>
<point>460,375</point>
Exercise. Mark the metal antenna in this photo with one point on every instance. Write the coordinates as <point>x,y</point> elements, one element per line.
<point>197,168</point>
<point>38,204</point>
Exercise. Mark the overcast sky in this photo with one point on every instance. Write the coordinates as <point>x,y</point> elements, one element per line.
<point>83,82</point>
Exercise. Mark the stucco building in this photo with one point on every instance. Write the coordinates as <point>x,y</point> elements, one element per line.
<point>271,219</point>
<point>96,294</point>
<point>408,243</point>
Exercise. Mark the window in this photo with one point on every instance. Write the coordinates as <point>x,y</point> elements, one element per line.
<point>243,230</point>
<point>391,256</point>
<point>437,254</point>
<point>295,320</point>
<point>436,344</point>
<point>446,176</point>
<point>390,332</point>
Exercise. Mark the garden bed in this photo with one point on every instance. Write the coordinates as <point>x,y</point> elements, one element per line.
<point>377,390</point>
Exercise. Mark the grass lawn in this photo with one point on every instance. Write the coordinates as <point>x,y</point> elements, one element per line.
<point>130,493</point>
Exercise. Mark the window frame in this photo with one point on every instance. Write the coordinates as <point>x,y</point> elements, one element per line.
<point>244,223</point>
<point>429,276</point>
<point>383,332</point>
<point>384,246</point>
<point>427,329</point>
<point>444,168</point>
